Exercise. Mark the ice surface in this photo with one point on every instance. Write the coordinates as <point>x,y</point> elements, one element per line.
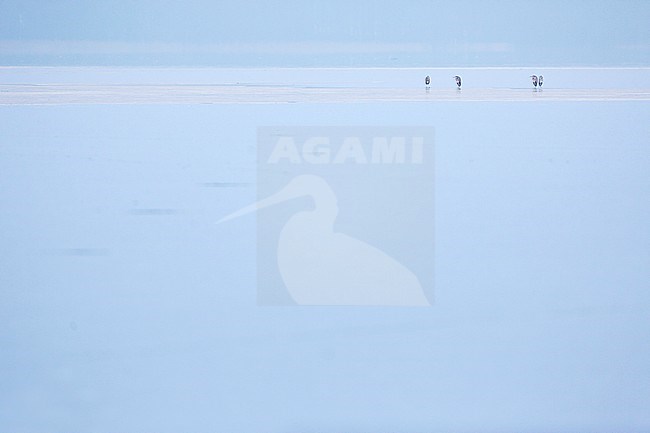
<point>232,86</point>
<point>51,86</point>
<point>124,307</point>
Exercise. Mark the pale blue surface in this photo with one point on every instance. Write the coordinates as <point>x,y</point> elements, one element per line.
<point>124,307</point>
<point>326,33</point>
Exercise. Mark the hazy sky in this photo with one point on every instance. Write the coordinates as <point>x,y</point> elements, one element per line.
<point>336,32</point>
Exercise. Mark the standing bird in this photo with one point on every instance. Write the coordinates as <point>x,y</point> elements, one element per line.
<point>541,81</point>
<point>459,82</point>
<point>534,78</point>
<point>427,80</point>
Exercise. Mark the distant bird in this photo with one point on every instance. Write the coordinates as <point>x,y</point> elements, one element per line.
<point>541,81</point>
<point>459,82</point>
<point>427,80</point>
<point>534,78</point>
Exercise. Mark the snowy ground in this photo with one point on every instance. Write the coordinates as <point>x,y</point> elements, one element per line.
<point>236,86</point>
<point>247,94</point>
<point>124,307</point>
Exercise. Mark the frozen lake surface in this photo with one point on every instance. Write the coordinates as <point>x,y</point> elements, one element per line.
<point>124,307</point>
<point>245,86</point>
<point>264,94</point>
